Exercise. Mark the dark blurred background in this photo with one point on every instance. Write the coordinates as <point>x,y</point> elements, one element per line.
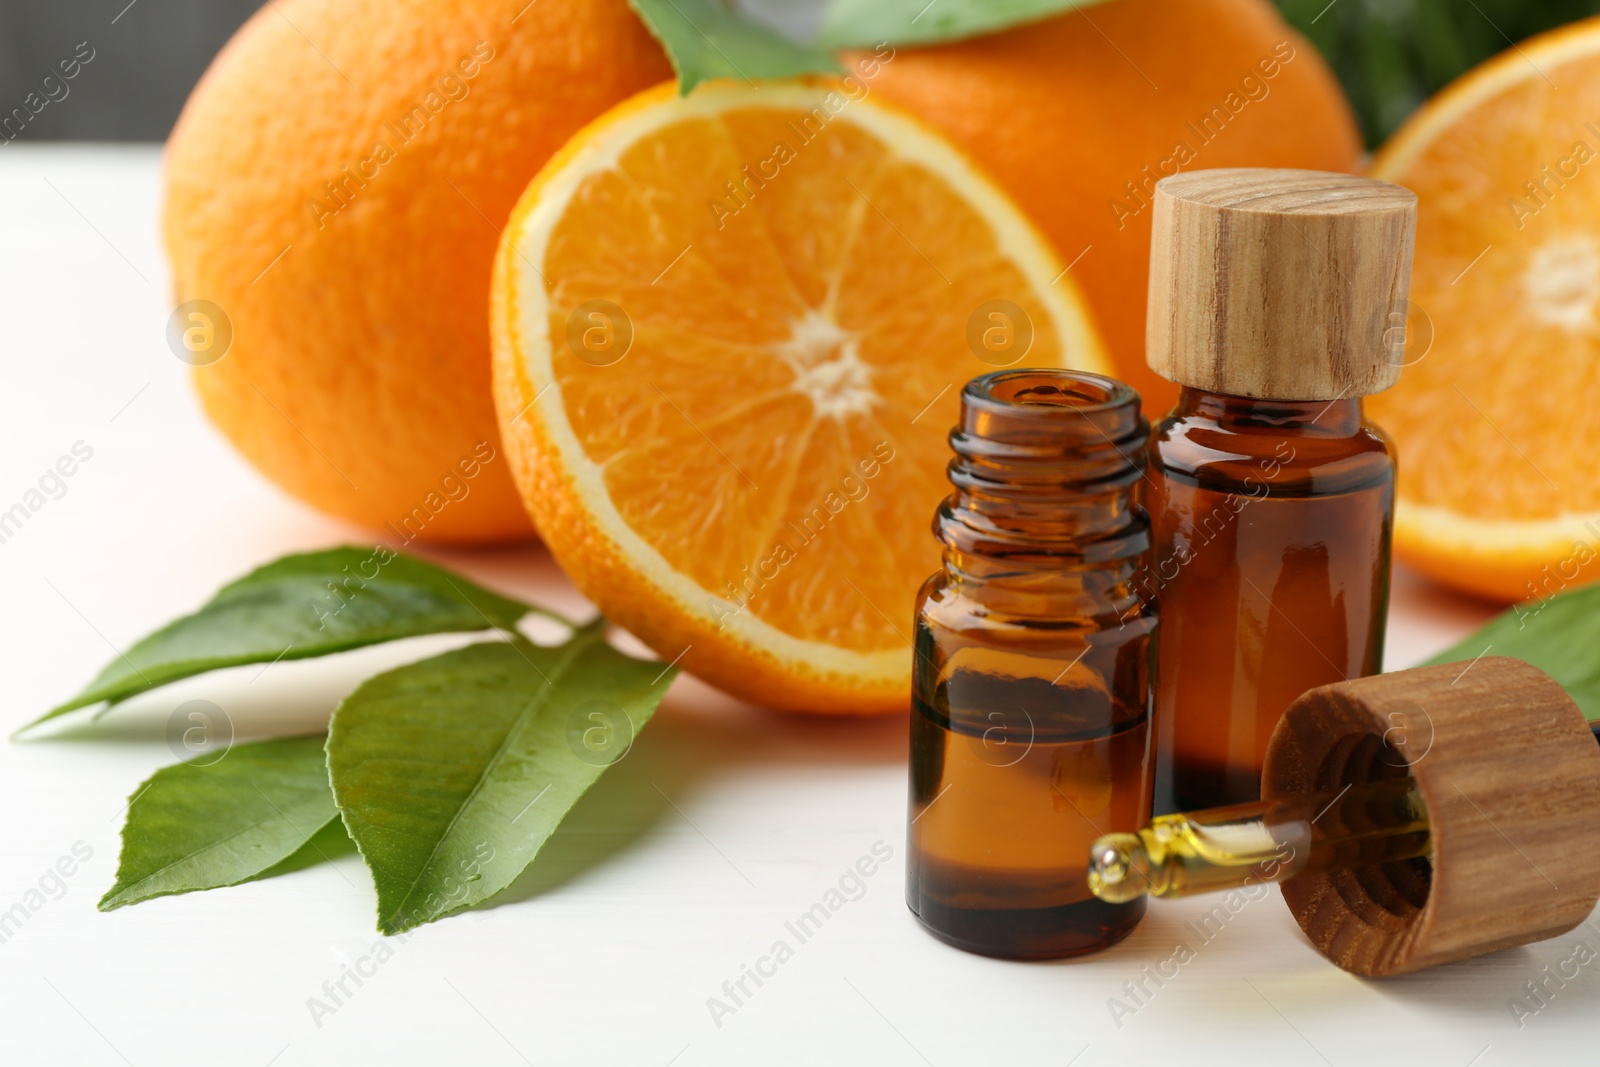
<point>147,56</point>
<point>1390,54</point>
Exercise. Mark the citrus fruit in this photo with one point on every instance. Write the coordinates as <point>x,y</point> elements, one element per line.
<point>335,188</point>
<point>1498,494</point>
<point>1079,115</point>
<point>730,331</point>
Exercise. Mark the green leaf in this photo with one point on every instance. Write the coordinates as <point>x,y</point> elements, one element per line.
<point>298,607</point>
<point>328,843</point>
<point>204,824</point>
<point>451,773</point>
<point>862,23</point>
<point>704,40</point>
<point>1559,635</point>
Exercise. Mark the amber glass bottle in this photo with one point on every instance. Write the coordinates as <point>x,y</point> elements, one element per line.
<point>1272,522</point>
<point>1277,302</point>
<point>1030,731</point>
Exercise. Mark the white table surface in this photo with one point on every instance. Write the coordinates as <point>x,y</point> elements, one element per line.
<point>608,948</point>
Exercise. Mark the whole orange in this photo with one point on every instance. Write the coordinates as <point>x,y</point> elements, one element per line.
<point>336,186</point>
<point>1079,115</point>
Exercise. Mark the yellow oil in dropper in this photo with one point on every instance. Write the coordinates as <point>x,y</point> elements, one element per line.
<point>1373,822</point>
<point>1263,841</point>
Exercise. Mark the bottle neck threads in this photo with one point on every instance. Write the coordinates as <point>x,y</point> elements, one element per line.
<point>1045,470</point>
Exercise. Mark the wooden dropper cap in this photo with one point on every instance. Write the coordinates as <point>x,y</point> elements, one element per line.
<point>1510,775</point>
<point>1279,284</point>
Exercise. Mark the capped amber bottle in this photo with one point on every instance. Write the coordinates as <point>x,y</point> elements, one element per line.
<point>1277,300</point>
<point>1030,730</point>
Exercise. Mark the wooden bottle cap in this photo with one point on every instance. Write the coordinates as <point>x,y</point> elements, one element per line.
<point>1510,775</point>
<point>1279,284</point>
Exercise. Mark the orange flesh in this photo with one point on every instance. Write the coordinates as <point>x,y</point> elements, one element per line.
<point>1493,422</point>
<point>782,350</point>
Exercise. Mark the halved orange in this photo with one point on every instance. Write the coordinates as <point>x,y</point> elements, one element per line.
<point>730,331</point>
<point>1498,491</point>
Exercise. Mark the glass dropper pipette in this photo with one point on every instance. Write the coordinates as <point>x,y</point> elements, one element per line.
<point>1264,841</point>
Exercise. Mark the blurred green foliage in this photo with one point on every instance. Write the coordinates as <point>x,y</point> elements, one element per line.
<point>1392,55</point>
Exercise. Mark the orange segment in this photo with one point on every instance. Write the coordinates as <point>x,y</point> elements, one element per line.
<point>753,478</point>
<point>1498,492</point>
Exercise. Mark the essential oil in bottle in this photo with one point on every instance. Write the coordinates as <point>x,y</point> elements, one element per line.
<point>1277,300</point>
<point>1030,730</point>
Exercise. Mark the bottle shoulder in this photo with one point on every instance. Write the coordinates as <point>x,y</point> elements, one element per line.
<point>1266,460</point>
<point>949,604</point>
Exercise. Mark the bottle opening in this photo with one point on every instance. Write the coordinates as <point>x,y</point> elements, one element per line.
<point>1042,388</point>
<point>1043,414</point>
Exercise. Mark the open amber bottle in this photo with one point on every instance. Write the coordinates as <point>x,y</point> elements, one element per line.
<point>1030,731</point>
<point>1277,300</point>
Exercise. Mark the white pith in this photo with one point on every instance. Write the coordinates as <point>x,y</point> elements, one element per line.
<point>1561,282</point>
<point>1536,60</point>
<point>827,364</point>
<point>1450,530</point>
